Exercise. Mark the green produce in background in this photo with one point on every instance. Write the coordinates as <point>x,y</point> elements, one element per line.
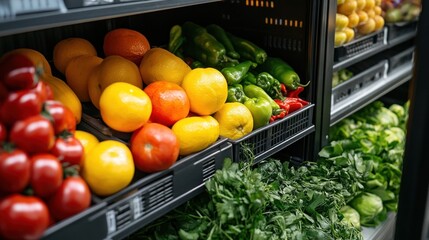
<point>236,93</point>
<point>176,40</point>
<point>281,71</point>
<point>219,33</point>
<point>247,49</point>
<point>254,91</point>
<point>261,111</point>
<point>370,209</point>
<point>201,45</point>
<point>351,216</point>
<point>236,73</point>
<point>341,76</point>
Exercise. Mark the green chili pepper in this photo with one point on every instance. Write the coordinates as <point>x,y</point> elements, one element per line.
<point>220,35</point>
<point>249,78</point>
<point>236,73</point>
<point>254,91</point>
<point>261,111</point>
<point>236,94</point>
<point>176,39</point>
<point>247,49</point>
<point>197,64</point>
<point>282,71</point>
<point>201,45</point>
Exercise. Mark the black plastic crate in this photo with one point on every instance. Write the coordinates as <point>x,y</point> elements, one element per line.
<point>401,30</point>
<point>364,76</point>
<point>146,198</point>
<point>361,45</point>
<point>273,137</point>
<point>401,58</point>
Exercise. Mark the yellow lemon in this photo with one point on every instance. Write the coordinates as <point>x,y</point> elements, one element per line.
<point>159,64</point>
<point>125,107</point>
<point>207,90</point>
<point>235,120</point>
<point>108,167</point>
<point>88,140</point>
<point>196,133</point>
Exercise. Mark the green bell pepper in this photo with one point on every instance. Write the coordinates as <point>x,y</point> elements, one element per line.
<point>270,85</point>
<point>234,74</point>
<point>236,93</point>
<point>201,45</point>
<point>254,91</point>
<point>261,111</point>
<point>249,78</point>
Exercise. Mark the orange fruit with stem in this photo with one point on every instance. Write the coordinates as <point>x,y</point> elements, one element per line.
<point>126,43</point>
<point>169,102</point>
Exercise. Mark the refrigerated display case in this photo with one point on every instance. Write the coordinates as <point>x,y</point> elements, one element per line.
<point>301,32</point>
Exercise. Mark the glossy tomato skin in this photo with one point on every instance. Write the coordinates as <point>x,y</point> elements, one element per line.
<point>3,132</point>
<point>44,90</point>
<point>33,135</point>
<point>14,171</point>
<point>46,174</point>
<point>18,72</point>
<point>3,91</point>
<point>19,105</point>
<point>23,217</point>
<point>62,116</point>
<point>155,147</point>
<point>71,198</point>
<point>68,150</point>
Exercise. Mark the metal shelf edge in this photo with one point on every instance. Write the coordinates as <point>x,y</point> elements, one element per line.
<point>382,231</point>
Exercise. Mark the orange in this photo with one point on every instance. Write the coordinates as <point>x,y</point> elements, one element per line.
<point>169,102</point>
<point>66,49</point>
<point>77,74</point>
<point>112,69</point>
<point>35,56</point>
<point>127,43</point>
<point>124,107</point>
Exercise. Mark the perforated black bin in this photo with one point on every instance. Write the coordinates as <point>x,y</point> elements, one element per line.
<point>271,138</point>
<point>364,76</point>
<point>398,31</point>
<point>401,58</point>
<point>361,45</point>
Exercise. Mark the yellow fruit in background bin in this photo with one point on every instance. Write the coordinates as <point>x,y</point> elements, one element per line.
<point>112,69</point>
<point>379,22</point>
<point>235,120</point>
<point>360,4</point>
<point>367,27</point>
<point>63,93</point>
<point>370,4</point>
<point>347,8</point>
<point>69,48</point>
<point>340,38</point>
<point>350,33</point>
<point>35,56</point>
<point>159,64</point>
<point>353,20</point>
<point>88,140</point>
<point>341,21</point>
<point>378,10</point>
<point>196,133</point>
<point>207,90</point>
<point>125,107</point>
<point>108,167</point>
<point>77,74</point>
<point>340,2</point>
<point>363,17</point>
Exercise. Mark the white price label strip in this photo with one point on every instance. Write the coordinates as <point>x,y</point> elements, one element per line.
<point>136,207</point>
<point>111,221</point>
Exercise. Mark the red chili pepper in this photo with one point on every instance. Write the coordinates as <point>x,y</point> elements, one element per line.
<point>283,89</point>
<point>280,115</point>
<point>295,93</point>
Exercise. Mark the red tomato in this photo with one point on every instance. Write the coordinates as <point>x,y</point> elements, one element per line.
<point>71,198</point>
<point>18,72</point>
<point>33,135</point>
<point>44,90</point>
<point>63,117</point>
<point>14,171</point>
<point>3,132</point>
<point>20,105</point>
<point>23,217</point>
<point>155,147</point>
<point>46,174</point>
<point>68,150</point>
<point>3,91</point>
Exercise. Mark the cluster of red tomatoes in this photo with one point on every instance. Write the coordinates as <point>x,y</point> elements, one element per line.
<point>39,155</point>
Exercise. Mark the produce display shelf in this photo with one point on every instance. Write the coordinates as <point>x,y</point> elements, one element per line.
<point>383,231</point>
<point>275,136</point>
<point>400,58</point>
<point>44,17</point>
<point>400,32</point>
<point>376,90</point>
<point>148,197</point>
